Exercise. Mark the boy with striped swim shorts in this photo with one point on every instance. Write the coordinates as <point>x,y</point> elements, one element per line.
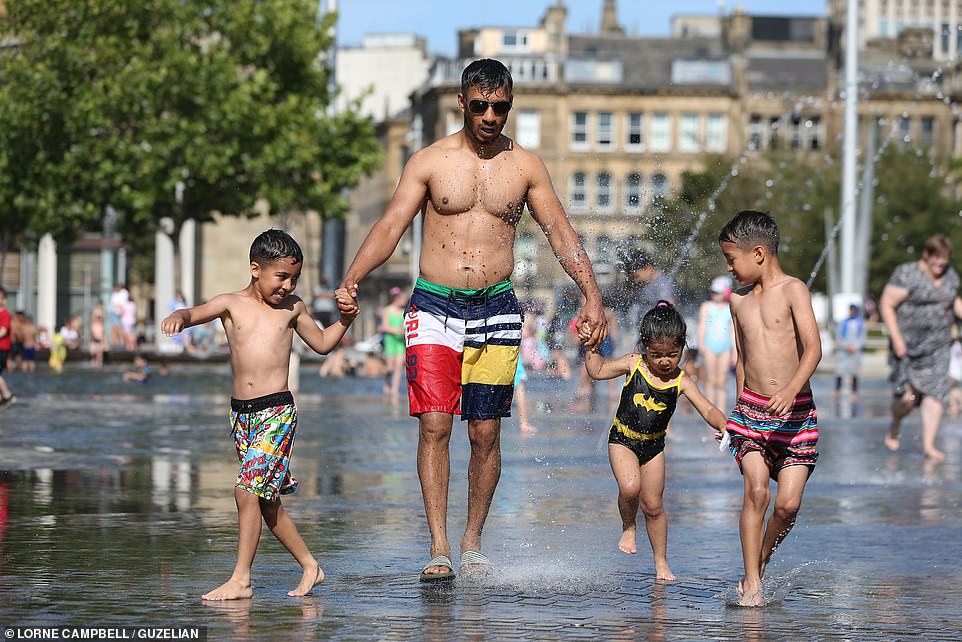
<point>260,322</point>
<point>773,429</point>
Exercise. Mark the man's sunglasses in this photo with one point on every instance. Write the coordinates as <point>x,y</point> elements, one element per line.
<point>500,108</point>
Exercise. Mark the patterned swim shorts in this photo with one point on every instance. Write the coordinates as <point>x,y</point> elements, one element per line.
<point>462,349</point>
<point>783,441</point>
<point>263,431</point>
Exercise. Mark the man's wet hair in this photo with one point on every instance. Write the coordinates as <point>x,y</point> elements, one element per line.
<point>272,245</point>
<point>487,75</point>
<point>663,323</point>
<point>750,228</point>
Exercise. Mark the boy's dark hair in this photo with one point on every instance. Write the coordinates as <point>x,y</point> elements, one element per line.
<point>272,245</point>
<point>487,75</point>
<point>663,322</point>
<point>751,228</point>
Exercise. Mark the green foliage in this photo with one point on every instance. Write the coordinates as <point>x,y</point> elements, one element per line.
<point>913,200</point>
<point>128,102</point>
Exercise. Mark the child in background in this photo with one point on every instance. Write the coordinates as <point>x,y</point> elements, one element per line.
<point>141,371</point>
<point>636,442</point>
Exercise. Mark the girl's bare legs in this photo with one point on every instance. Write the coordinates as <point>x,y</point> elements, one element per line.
<point>656,521</point>
<point>624,464</point>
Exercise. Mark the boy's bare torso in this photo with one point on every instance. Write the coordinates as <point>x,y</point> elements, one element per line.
<point>473,206</point>
<point>768,336</point>
<point>260,338</point>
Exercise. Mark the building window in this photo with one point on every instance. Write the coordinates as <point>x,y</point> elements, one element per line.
<point>604,135</point>
<point>905,129</point>
<point>578,197</point>
<point>796,132</point>
<point>774,123</point>
<point>816,132</point>
<point>659,187</point>
<point>529,129</point>
<point>636,137</point>
<point>946,33</point>
<point>579,130</point>
<point>690,133</point>
<point>603,194</point>
<point>716,133</point>
<point>660,132</point>
<point>453,121</point>
<point>756,136</point>
<point>633,192</point>
<point>514,40</point>
<point>927,135</point>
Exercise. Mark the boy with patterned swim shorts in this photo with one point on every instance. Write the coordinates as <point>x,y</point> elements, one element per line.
<point>260,322</point>
<point>773,428</point>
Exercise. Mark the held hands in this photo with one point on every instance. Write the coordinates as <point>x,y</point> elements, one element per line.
<point>172,325</point>
<point>346,304</point>
<point>592,325</point>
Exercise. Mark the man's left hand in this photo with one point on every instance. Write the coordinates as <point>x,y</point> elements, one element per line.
<point>592,324</point>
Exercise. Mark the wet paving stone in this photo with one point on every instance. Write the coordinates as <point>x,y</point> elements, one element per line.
<point>116,508</point>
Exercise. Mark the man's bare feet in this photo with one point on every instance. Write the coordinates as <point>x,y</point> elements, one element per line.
<point>313,575</point>
<point>934,454</point>
<point>627,541</point>
<point>230,590</point>
<point>662,572</point>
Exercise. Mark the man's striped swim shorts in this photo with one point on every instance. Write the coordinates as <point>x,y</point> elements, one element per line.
<point>462,349</point>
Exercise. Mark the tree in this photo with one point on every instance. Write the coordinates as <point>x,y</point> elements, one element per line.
<point>163,108</point>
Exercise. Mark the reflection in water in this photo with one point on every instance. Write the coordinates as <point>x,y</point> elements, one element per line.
<point>131,495</point>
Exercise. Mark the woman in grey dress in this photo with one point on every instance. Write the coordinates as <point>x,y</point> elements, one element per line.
<point>918,307</point>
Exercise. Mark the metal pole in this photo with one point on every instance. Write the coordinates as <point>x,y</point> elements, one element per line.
<point>866,197</point>
<point>333,241</point>
<point>850,145</point>
<point>831,278</point>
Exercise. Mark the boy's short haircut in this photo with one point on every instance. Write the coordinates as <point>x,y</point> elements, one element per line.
<point>750,228</point>
<point>272,245</point>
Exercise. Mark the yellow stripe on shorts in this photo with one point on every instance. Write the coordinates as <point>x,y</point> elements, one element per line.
<point>491,365</point>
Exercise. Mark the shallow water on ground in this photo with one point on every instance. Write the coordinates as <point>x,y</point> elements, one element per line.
<point>116,508</point>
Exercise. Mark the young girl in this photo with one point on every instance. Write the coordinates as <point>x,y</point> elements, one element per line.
<point>636,443</point>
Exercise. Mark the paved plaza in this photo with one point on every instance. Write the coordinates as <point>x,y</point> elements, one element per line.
<point>116,509</point>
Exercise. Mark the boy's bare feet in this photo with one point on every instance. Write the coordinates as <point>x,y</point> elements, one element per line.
<point>627,542</point>
<point>313,575</point>
<point>662,572</point>
<point>751,595</point>
<point>230,590</point>
<point>934,454</point>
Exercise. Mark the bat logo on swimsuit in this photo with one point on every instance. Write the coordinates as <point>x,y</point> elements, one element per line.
<point>648,403</point>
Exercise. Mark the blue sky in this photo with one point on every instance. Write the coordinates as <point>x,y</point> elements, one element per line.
<point>439,20</point>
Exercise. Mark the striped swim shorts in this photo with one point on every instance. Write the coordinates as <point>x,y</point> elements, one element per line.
<point>462,349</point>
<point>784,441</point>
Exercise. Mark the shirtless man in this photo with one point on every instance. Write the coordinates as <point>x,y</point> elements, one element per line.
<point>773,427</point>
<point>463,322</point>
<point>260,322</point>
